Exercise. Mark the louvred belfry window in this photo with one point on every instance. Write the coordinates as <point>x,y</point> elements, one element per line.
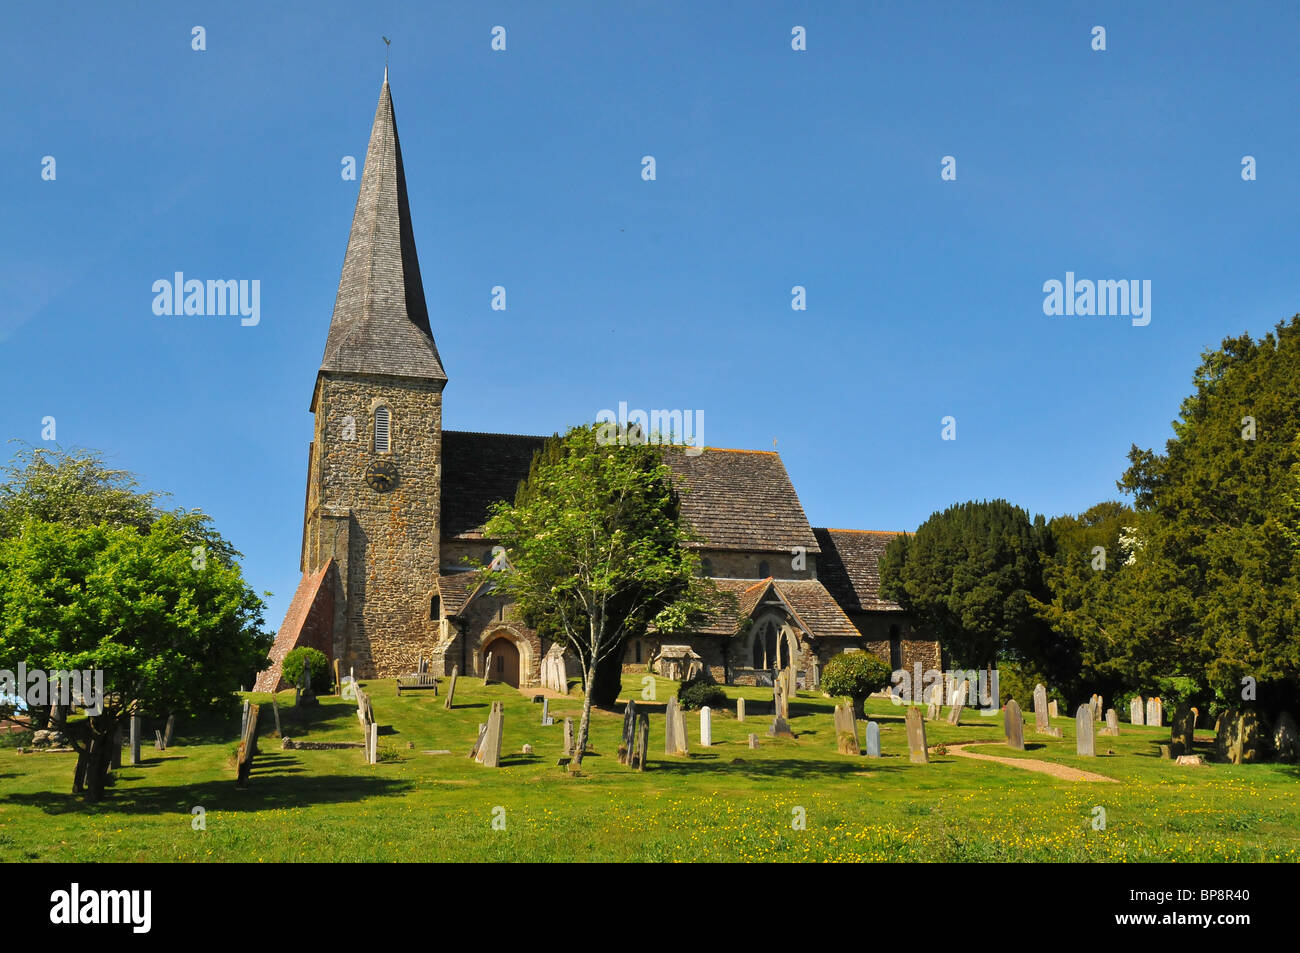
<point>381,429</point>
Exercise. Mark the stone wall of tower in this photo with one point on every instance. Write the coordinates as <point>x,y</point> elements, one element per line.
<point>386,544</point>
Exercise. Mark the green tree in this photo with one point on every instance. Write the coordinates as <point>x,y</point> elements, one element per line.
<point>970,575</point>
<point>170,629</point>
<point>596,551</point>
<point>1215,594</point>
<point>855,675</point>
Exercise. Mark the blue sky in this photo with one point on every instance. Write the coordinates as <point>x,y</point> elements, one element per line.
<point>775,168</point>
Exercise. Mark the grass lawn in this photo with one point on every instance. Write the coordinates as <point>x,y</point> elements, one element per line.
<point>723,803</point>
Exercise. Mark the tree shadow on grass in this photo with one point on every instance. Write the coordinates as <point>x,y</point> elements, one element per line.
<point>790,769</point>
<point>268,792</point>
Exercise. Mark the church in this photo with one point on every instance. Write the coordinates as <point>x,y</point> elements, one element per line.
<point>395,507</point>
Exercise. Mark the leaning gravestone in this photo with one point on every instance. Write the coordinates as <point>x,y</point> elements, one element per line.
<point>247,748</point>
<point>478,743</point>
<point>158,741</point>
<point>1084,742</point>
<point>846,729</point>
<point>1286,739</point>
<point>170,730</point>
<point>628,741</point>
<point>451,688</point>
<point>243,722</point>
<point>1135,711</point>
<point>1041,721</point>
<point>1181,734</point>
<point>958,703</point>
<point>873,740</point>
<point>916,734</point>
<point>1013,723</point>
<point>1112,723</point>
<point>642,742</point>
<point>135,739</point>
<point>490,754</point>
<point>706,727</point>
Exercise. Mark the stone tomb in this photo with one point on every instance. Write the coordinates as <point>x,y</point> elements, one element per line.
<point>873,740</point>
<point>916,734</point>
<point>846,729</point>
<point>1084,743</point>
<point>1013,724</point>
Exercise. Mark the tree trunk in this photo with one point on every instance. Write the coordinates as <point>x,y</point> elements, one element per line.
<point>79,775</point>
<point>606,682</point>
<point>97,768</point>
<point>580,743</point>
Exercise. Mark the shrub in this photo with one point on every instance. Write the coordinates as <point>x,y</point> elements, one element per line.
<point>699,692</point>
<point>855,675</point>
<point>321,676</point>
<point>1017,680</point>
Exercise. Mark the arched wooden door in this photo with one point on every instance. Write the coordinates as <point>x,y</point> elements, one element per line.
<point>504,660</point>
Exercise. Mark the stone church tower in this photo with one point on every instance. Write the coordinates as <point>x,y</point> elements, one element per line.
<point>370,550</point>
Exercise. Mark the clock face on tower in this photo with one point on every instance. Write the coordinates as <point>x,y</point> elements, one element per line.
<point>382,476</point>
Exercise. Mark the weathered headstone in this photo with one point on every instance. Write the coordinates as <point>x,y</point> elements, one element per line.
<point>169,731</point>
<point>958,703</point>
<point>307,696</point>
<point>641,744</point>
<point>1181,734</point>
<point>1136,713</point>
<point>936,701</point>
<point>679,730</point>
<point>490,754</point>
<point>451,688</point>
<point>1099,707</point>
<point>1243,736</point>
<point>916,734</point>
<point>1286,739</point>
<point>1041,720</point>
<point>1151,718</point>
<point>478,742</point>
<point>546,712</point>
<point>1112,723</point>
<point>780,702</point>
<point>372,743</point>
<point>873,740</point>
<point>706,727</point>
<point>675,742</point>
<point>628,741</point>
<point>568,737</point>
<point>1159,718</point>
<point>1053,710</point>
<point>135,739</point>
<point>243,721</point>
<point>753,740</point>
<point>846,729</point>
<point>740,709</point>
<point>275,710</point>
<point>1013,724</point>
<point>247,748</point>
<point>1084,743</point>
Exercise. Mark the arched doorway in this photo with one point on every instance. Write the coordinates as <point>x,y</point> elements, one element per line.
<point>773,643</point>
<point>504,657</point>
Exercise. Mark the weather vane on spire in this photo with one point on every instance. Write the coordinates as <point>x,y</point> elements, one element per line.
<point>387,44</point>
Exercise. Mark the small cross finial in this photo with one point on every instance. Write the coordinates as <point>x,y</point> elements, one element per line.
<point>387,44</point>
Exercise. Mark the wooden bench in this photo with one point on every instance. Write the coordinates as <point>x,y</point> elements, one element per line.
<point>417,682</point>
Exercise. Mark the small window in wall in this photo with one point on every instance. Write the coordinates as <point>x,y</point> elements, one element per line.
<point>435,605</point>
<point>382,429</point>
<point>706,567</point>
<point>764,570</point>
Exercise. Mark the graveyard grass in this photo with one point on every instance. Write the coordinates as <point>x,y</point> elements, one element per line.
<point>723,803</point>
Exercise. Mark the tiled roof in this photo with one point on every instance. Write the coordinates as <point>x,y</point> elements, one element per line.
<point>381,322</point>
<point>479,469</point>
<point>849,567</point>
<point>741,499</point>
<point>455,590</point>
<point>814,607</point>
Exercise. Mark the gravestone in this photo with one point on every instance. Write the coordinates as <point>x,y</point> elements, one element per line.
<point>675,729</point>
<point>780,704</point>
<point>740,709</point>
<point>171,728</point>
<point>780,728</point>
<point>247,748</point>
<point>1136,713</point>
<point>753,740</point>
<point>135,739</point>
<point>1159,712</point>
<point>568,737</point>
<point>1013,724</point>
<point>158,741</point>
<point>958,703</point>
<point>338,682</point>
<point>706,727</point>
<point>916,734</point>
<point>307,697</point>
<point>451,688</point>
<point>873,740</point>
<point>1181,734</point>
<point>490,754</point>
<point>487,669</point>
<point>372,743</point>
<point>846,729</point>
<point>243,721</point>
<point>546,712</point>
<point>936,701</point>
<point>1286,738</point>
<point>1053,711</point>
<point>478,743</point>
<point>628,741</point>
<point>1112,723</point>
<point>1151,718</point>
<point>679,730</point>
<point>1221,736</point>
<point>275,710</point>
<point>642,742</point>
<point>1243,737</point>
<point>115,749</point>
<point>1041,721</point>
<point>1099,707</point>
<point>1084,742</point>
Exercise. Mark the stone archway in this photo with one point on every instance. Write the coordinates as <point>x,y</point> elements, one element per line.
<point>773,643</point>
<point>505,657</point>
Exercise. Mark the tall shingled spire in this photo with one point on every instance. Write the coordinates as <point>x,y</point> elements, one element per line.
<point>381,322</point>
